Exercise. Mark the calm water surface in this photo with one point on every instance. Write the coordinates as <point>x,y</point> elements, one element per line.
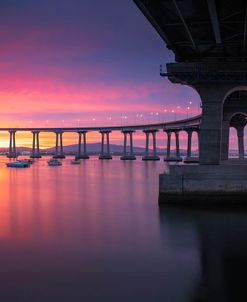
<point>94,232</point>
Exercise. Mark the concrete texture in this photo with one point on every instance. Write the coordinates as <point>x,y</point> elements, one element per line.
<point>85,156</point>
<point>128,157</point>
<point>59,156</point>
<point>204,184</point>
<point>150,157</point>
<point>191,160</point>
<point>105,156</point>
<point>173,159</point>
<point>35,156</point>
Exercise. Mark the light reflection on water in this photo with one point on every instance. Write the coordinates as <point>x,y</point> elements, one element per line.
<point>94,232</point>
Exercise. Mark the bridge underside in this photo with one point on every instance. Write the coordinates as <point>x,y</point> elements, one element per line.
<point>200,30</point>
<point>208,38</point>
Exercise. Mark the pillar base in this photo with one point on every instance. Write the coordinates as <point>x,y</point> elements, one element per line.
<point>150,157</point>
<point>85,156</point>
<point>204,184</point>
<point>35,156</point>
<point>12,155</point>
<point>128,157</point>
<point>59,156</point>
<point>106,156</point>
<point>191,160</point>
<point>173,159</point>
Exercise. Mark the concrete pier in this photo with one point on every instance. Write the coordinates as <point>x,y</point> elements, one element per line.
<point>168,157</point>
<point>215,179</point>
<point>35,147</point>
<point>81,155</point>
<point>105,154</point>
<point>59,145</point>
<point>197,184</point>
<point>153,156</point>
<point>211,59</point>
<point>191,159</point>
<point>12,146</point>
<point>240,133</point>
<point>128,155</point>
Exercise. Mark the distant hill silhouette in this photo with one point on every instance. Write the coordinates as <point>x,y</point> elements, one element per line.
<point>95,148</point>
<point>92,148</point>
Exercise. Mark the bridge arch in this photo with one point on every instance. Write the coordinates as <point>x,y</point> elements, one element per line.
<point>234,90</point>
<point>234,115</point>
<point>239,121</point>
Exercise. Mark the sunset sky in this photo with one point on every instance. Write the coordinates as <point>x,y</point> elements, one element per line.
<point>84,63</point>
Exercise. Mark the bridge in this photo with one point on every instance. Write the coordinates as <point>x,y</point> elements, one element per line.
<point>208,38</point>
<point>189,125</point>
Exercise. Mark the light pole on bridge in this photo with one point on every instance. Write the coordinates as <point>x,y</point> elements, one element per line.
<point>175,115</point>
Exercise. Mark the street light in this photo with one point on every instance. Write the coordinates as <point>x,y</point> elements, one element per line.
<point>109,120</point>
<point>188,108</point>
<point>165,111</point>
<point>175,117</point>
<point>157,115</point>
<point>125,117</point>
<point>141,116</point>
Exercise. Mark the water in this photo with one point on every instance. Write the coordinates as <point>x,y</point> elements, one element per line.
<point>94,232</point>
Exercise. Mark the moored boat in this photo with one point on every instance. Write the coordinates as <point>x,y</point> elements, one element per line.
<point>75,161</point>
<point>18,164</point>
<point>54,162</point>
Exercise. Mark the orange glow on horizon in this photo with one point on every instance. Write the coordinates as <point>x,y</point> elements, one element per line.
<point>47,140</point>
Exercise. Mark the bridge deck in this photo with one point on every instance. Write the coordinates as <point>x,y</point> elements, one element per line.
<point>180,124</point>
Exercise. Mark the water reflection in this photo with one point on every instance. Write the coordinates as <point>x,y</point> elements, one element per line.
<point>219,237</point>
<point>94,232</point>
<point>80,233</point>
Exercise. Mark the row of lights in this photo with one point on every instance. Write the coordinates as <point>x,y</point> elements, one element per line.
<point>138,115</point>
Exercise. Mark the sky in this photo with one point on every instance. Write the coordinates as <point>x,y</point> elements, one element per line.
<point>84,63</point>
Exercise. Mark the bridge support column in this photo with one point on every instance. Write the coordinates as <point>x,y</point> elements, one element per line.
<point>12,146</point>
<point>168,146</point>
<point>189,158</point>
<point>35,151</point>
<point>147,155</point>
<point>168,150</point>
<point>212,181</point>
<point>83,155</point>
<point>59,139</point>
<point>128,155</point>
<point>225,140</point>
<point>240,132</point>
<point>177,146</point>
<point>212,126</point>
<point>210,81</point>
<point>103,154</point>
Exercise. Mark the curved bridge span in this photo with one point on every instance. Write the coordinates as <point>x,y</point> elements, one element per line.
<point>189,125</point>
<point>179,124</point>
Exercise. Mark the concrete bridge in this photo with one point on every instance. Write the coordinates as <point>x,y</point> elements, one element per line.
<point>188,125</point>
<point>208,38</point>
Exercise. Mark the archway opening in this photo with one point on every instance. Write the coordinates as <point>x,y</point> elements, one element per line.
<point>238,121</point>
<point>233,124</point>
